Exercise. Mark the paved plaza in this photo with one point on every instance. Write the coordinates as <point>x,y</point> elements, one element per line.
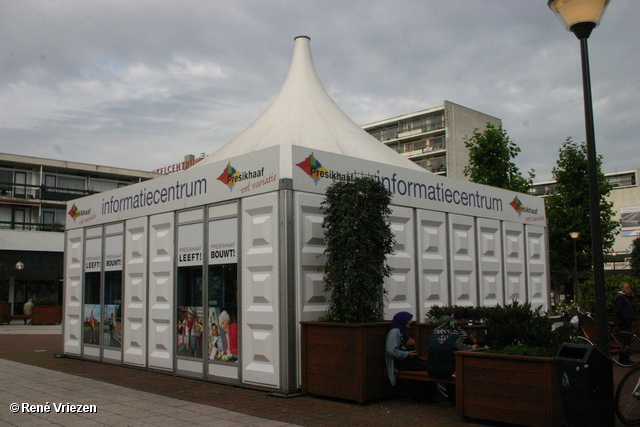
<point>51,390</point>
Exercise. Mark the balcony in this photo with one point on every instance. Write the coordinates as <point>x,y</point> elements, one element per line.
<point>41,192</point>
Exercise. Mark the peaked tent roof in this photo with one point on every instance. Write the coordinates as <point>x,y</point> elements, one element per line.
<point>304,114</point>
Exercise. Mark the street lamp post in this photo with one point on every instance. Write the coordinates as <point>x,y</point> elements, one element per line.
<point>574,236</point>
<point>581,17</point>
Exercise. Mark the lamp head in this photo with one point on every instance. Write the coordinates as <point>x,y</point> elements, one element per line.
<point>574,234</point>
<point>579,16</point>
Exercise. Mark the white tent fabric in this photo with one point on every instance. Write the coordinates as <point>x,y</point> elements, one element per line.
<point>304,114</point>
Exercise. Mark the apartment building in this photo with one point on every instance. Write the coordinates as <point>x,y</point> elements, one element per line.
<point>625,197</point>
<point>33,196</point>
<point>433,138</point>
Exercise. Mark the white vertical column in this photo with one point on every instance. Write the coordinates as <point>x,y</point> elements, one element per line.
<point>463,260</point>
<point>73,321</point>
<point>260,287</point>
<point>514,260</point>
<point>135,292</point>
<point>490,271</point>
<point>537,277</point>
<point>401,285</point>
<point>433,282</point>
<point>161,290</point>
<point>309,240</point>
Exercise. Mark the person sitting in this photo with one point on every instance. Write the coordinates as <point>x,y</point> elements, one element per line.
<point>444,341</point>
<point>27,309</point>
<point>399,346</point>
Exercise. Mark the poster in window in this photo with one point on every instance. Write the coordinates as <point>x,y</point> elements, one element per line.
<point>630,217</point>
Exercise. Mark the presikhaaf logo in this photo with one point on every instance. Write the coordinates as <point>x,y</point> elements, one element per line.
<point>517,205</point>
<point>74,212</point>
<point>231,176</point>
<point>312,167</point>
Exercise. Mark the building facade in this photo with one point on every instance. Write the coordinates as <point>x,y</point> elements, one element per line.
<point>33,198</point>
<point>625,197</point>
<point>433,138</point>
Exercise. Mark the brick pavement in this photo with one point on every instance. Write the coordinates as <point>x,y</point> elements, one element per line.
<point>311,411</point>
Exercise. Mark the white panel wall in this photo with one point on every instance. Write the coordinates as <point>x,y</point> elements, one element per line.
<point>73,321</point>
<point>260,287</point>
<point>401,285</point>
<point>309,238</point>
<point>161,309</point>
<point>135,292</point>
<point>514,262</point>
<point>490,275</point>
<point>462,247</point>
<point>537,267</point>
<point>433,256</point>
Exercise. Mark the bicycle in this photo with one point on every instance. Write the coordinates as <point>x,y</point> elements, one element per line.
<point>624,347</point>
<point>627,398</point>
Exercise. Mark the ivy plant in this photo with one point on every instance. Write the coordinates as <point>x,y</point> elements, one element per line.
<point>358,239</point>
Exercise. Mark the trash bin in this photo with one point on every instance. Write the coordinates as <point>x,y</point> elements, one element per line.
<point>585,377</point>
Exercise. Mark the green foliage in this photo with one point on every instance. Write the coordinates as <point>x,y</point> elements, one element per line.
<point>567,210</point>
<point>46,301</point>
<point>358,237</point>
<point>490,155</point>
<point>440,314</point>
<point>612,287</point>
<point>635,256</point>
<point>516,324</point>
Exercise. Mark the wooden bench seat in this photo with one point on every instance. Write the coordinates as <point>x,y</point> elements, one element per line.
<point>423,376</point>
<point>18,316</point>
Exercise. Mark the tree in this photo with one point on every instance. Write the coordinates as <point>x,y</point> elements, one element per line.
<point>568,211</point>
<point>635,256</point>
<point>490,160</point>
<point>359,238</point>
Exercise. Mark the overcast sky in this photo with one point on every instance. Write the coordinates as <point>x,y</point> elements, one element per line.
<point>140,84</point>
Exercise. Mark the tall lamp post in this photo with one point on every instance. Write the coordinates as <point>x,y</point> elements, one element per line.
<point>581,17</point>
<point>574,236</point>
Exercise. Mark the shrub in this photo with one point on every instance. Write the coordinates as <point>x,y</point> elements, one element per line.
<point>612,287</point>
<point>358,237</point>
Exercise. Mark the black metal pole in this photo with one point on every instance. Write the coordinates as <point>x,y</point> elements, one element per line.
<point>600,296</point>
<point>576,292</point>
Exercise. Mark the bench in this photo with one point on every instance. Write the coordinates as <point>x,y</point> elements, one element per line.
<point>19,316</point>
<point>423,376</point>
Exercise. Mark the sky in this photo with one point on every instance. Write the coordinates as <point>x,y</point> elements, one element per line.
<point>140,84</point>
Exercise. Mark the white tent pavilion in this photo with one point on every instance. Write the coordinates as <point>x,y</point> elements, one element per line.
<point>150,268</point>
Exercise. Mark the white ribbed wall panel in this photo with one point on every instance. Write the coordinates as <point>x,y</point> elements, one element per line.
<point>260,291</point>
<point>310,246</point>
<point>73,320</point>
<point>537,267</point>
<point>432,261</point>
<point>135,292</point>
<point>462,246</point>
<point>401,285</point>
<point>514,260</point>
<point>161,290</point>
<point>490,273</point>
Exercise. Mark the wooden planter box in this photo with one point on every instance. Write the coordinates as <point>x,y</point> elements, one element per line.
<point>511,389</point>
<point>345,361</point>
<point>46,315</point>
<point>5,312</point>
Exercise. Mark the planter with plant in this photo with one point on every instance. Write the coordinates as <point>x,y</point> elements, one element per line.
<point>343,353</point>
<point>514,379</point>
<point>46,311</point>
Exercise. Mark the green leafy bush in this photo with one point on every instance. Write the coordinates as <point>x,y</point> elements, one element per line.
<point>359,238</point>
<point>612,287</point>
<point>442,313</point>
<point>518,325</point>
